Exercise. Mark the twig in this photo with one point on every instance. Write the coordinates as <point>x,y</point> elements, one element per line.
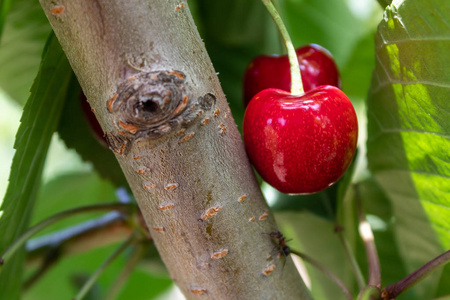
<point>353,263</point>
<point>369,243</point>
<point>90,282</point>
<point>393,290</point>
<point>338,229</point>
<point>133,260</point>
<point>370,293</point>
<point>109,228</point>
<point>325,271</point>
<point>55,218</point>
<point>50,260</point>
<point>49,249</point>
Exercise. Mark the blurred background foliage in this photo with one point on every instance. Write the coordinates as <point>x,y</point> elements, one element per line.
<point>234,32</point>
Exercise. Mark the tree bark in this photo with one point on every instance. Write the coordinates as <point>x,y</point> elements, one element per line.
<point>148,78</point>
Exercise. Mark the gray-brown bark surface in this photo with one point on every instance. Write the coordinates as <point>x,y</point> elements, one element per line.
<point>146,74</point>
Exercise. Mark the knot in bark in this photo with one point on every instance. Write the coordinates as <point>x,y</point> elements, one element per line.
<point>152,103</point>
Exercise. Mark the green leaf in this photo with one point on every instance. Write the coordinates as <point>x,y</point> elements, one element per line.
<point>39,120</point>
<point>408,128</point>
<point>25,32</point>
<point>357,72</point>
<point>315,237</point>
<point>384,3</point>
<point>76,133</point>
<point>4,9</point>
<point>63,280</point>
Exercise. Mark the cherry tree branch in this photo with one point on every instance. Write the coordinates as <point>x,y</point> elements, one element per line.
<point>147,76</point>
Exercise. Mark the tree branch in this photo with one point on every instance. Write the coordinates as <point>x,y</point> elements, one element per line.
<point>20,242</point>
<point>146,74</point>
<point>107,229</point>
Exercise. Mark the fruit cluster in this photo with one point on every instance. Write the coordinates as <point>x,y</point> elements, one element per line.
<point>298,143</point>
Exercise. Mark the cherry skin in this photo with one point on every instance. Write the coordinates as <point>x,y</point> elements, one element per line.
<point>91,119</point>
<point>301,144</point>
<point>317,68</point>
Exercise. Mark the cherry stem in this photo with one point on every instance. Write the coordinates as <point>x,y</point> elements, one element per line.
<point>338,229</point>
<point>91,281</point>
<point>296,77</point>
<point>406,283</point>
<point>366,234</point>
<point>16,245</point>
<point>353,263</point>
<point>325,271</point>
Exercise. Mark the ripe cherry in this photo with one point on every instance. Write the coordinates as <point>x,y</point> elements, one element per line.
<point>300,143</point>
<point>317,68</point>
<point>92,121</point>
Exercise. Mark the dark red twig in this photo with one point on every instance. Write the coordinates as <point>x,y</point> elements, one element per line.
<point>393,290</point>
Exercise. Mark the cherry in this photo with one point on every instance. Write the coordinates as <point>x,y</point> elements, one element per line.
<point>317,68</point>
<point>300,143</point>
<point>92,121</point>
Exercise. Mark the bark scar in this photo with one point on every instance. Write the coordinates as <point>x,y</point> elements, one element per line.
<point>153,104</point>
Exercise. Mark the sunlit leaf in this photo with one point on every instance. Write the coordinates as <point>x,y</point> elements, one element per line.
<point>408,113</point>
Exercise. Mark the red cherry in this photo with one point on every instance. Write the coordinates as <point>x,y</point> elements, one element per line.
<point>301,144</point>
<point>317,68</point>
<point>92,121</point>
